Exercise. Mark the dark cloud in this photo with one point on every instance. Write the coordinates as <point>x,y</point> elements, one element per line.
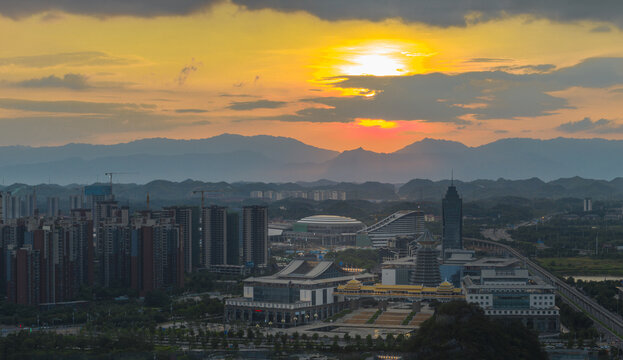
<point>191,111</point>
<point>142,8</point>
<point>601,29</point>
<point>460,98</point>
<point>70,81</point>
<point>601,126</point>
<point>527,68</point>
<point>448,12</point>
<point>435,12</point>
<point>259,104</point>
<point>501,131</point>
<point>85,58</point>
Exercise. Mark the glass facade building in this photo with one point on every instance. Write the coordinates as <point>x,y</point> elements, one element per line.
<point>452,217</point>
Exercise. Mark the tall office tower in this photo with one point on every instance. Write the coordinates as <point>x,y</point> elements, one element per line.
<point>452,214</point>
<point>255,235</point>
<point>233,238</point>
<point>588,204</point>
<point>214,222</point>
<point>53,206</point>
<point>426,271</point>
<point>113,250</point>
<point>183,218</point>
<point>76,202</point>
<point>2,207</point>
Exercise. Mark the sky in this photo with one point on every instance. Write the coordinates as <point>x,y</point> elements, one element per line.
<point>336,74</point>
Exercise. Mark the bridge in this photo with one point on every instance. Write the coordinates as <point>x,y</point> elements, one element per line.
<point>612,323</point>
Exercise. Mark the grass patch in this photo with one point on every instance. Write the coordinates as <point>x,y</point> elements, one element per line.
<point>408,319</point>
<point>374,317</point>
<point>575,266</point>
<point>338,315</point>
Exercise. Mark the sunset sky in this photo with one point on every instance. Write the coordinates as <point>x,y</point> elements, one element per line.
<point>334,74</point>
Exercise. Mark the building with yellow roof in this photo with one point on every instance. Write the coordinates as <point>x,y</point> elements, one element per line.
<point>355,289</point>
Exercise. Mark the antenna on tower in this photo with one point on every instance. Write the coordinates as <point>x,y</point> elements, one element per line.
<point>452,177</point>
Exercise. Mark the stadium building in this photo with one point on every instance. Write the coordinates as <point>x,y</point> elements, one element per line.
<point>325,230</point>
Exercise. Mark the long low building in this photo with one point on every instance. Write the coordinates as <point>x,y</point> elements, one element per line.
<point>301,292</point>
<point>354,289</point>
<point>514,294</point>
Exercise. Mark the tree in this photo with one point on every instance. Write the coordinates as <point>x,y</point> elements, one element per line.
<point>458,329</point>
<point>157,298</point>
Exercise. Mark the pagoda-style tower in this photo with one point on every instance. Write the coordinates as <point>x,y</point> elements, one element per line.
<point>426,271</point>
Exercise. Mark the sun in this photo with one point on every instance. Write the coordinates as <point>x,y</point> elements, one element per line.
<point>375,64</point>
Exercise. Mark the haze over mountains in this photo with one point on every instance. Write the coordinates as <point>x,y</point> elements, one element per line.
<point>230,158</point>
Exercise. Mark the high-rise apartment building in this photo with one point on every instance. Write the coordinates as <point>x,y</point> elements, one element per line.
<point>157,253</point>
<point>183,218</point>
<point>214,222</point>
<point>255,235</point>
<point>233,238</point>
<point>53,261</point>
<point>452,214</point>
<point>76,201</point>
<point>53,206</point>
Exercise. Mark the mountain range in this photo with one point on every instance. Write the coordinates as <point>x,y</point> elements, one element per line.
<point>231,158</point>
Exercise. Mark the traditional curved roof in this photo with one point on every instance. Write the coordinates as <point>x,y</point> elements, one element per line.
<point>329,220</point>
<point>353,285</point>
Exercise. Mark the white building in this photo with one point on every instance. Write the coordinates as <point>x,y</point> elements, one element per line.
<point>514,294</point>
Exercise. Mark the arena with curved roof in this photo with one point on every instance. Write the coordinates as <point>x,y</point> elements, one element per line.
<point>324,230</point>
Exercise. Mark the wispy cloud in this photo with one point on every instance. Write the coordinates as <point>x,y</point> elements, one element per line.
<point>259,104</point>
<point>190,111</point>
<point>85,58</point>
<point>70,81</point>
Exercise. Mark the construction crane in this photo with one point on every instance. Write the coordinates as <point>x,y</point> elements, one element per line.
<point>202,192</point>
<point>110,175</point>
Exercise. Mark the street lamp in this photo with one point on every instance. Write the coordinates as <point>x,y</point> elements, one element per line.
<point>295,319</point>
<point>283,322</point>
<point>316,316</point>
<point>307,318</point>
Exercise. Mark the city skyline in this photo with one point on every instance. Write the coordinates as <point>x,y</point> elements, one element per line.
<point>380,77</point>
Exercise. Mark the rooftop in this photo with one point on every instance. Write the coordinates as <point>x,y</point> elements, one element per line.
<point>329,220</point>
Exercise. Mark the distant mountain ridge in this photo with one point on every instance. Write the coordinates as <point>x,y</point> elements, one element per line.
<point>164,192</point>
<point>230,157</point>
